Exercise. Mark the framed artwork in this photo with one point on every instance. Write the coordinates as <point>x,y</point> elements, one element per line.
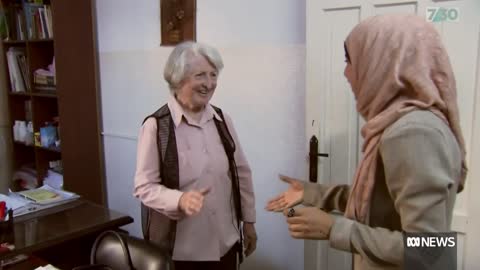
<point>178,21</point>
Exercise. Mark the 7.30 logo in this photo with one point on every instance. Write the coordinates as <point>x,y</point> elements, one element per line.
<point>440,14</point>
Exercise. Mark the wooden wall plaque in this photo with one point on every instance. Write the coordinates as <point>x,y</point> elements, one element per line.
<point>178,21</point>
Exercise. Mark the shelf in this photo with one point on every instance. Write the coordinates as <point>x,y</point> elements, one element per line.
<point>51,149</point>
<point>14,42</point>
<point>24,94</point>
<point>23,144</point>
<point>40,40</point>
<point>48,94</point>
<point>75,60</point>
<point>36,93</point>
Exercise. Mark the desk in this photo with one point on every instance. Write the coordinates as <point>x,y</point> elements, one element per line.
<point>49,232</point>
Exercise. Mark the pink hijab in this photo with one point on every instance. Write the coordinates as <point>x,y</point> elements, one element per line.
<point>400,66</point>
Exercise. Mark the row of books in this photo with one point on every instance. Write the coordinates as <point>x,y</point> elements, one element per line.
<point>18,69</point>
<point>38,19</point>
<point>44,82</point>
<point>32,20</point>
<point>13,17</point>
<point>19,74</point>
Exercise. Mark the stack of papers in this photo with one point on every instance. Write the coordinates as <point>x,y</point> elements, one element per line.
<point>28,201</point>
<point>47,195</point>
<point>47,267</point>
<point>13,202</point>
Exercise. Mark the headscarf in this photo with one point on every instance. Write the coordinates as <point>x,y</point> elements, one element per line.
<point>400,65</point>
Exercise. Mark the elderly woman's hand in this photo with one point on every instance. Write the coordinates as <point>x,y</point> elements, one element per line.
<point>191,202</point>
<point>250,241</point>
<point>309,223</point>
<point>291,197</point>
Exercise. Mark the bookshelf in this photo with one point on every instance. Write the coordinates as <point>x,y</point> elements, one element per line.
<point>63,96</point>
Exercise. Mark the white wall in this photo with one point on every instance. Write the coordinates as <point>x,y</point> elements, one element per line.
<point>262,87</point>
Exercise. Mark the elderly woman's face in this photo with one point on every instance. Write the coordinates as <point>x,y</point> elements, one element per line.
<point>199,84</point>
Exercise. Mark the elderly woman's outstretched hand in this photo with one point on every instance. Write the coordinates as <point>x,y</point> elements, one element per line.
<point>291,197</point>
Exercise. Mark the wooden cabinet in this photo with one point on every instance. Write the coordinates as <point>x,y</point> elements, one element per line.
<point>69,38</point>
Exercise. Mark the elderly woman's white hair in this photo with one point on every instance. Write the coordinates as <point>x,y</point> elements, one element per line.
<point>177,66</point>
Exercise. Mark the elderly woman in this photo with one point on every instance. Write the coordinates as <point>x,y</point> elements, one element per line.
<point>192,176</point>
<point>413,160</point>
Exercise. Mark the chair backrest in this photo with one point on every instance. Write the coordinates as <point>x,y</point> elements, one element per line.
<point>114,249</point>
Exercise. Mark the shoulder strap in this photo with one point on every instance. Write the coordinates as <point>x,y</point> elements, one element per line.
<point>225,136</point>
<point>229,145</point>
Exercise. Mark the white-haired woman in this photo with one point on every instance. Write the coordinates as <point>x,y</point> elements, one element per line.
<point>192,176</point>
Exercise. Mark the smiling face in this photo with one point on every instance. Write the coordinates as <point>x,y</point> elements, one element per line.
<point>199,84</point>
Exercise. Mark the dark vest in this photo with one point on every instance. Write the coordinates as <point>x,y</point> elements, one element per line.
<point>158,228</point>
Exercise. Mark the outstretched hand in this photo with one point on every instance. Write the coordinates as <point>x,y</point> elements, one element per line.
<point>291,197</point>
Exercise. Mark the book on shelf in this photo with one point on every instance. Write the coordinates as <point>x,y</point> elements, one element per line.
<point>15,23</point>
<point>44,79</point>
<point>38,19</point>
<point>45,88</point>
<point>14,63</point>
<point>3,22</point>
<point>22,61</point>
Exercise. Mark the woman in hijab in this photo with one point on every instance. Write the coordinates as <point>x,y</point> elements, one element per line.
<point>413,160</point>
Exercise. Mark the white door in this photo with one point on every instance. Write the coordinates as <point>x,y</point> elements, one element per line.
<point>330,107</point>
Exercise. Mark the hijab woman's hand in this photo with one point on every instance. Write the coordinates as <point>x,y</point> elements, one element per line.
<point>291,197</point>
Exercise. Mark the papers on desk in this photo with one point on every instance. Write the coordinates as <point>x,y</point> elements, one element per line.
<point>28,201</point>
<point>46,195</point>
<point>47,267</point>
<point>13,202</point>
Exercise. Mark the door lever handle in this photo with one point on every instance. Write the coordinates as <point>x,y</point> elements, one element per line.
<point>314,159</point>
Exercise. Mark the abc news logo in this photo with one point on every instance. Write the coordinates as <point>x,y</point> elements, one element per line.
<point>427,251</point>
<point>431,241</point>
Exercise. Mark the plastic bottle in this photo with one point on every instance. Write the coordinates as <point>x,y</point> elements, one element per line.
<point>22,131</point>
<point>29,135</point>
<point>15,131</point>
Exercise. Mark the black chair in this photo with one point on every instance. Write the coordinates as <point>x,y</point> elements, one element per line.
<point>118,251</point>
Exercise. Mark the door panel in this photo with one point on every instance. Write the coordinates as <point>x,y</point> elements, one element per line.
<point>331,114</point>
